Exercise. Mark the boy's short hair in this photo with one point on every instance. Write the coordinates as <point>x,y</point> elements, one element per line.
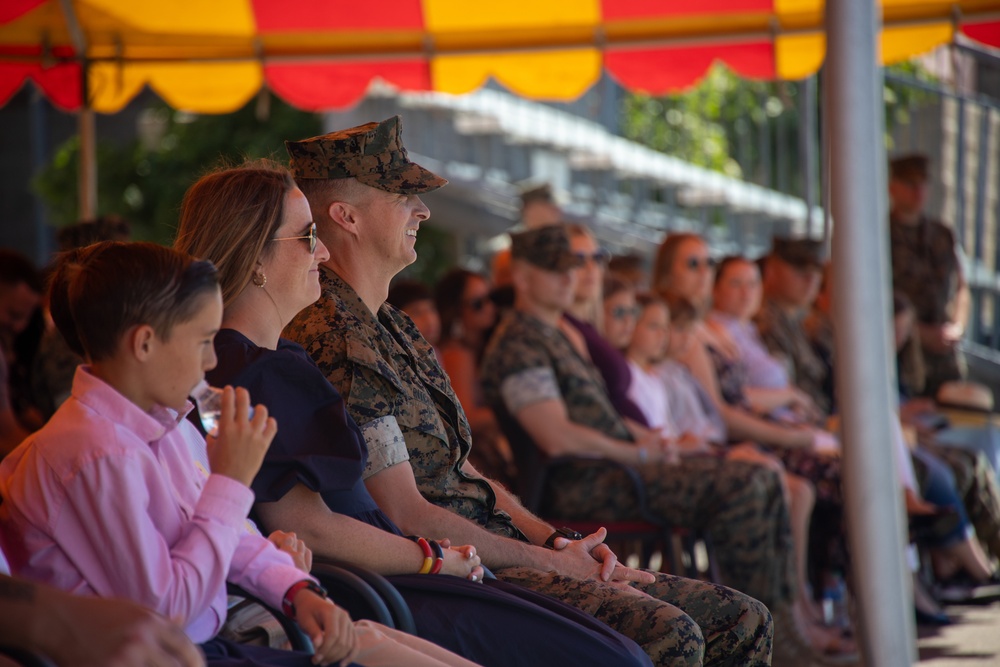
<point>97,293</point>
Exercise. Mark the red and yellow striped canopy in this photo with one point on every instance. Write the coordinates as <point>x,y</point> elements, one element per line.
<point>212,56</point>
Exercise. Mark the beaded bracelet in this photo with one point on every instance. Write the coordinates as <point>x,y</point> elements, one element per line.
<point>428,556</point>
<point>433,555</point>
<point>438,557</point>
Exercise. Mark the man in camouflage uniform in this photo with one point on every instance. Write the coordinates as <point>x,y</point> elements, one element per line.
<point>363,192</point>
<point>792,274</point>
<point>534,378</point>
<point>926,268</point>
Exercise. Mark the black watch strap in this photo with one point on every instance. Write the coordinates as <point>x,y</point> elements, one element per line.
<point>568,533</point>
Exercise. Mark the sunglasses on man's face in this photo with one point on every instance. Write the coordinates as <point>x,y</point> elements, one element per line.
<point>695,263</point>
<point>599,257</point>
<point>311,236</point>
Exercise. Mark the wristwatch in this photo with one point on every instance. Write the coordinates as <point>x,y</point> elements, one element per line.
<point>568,533</point>
<point>288,602</point>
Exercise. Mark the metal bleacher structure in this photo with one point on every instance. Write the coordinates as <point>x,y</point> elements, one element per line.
<point>490,142</point>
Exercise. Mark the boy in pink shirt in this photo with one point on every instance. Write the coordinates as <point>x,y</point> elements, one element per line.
<point>106,500</point>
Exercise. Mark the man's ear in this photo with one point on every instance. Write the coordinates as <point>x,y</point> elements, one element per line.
<point>344,216</point>
<point>141,341</point>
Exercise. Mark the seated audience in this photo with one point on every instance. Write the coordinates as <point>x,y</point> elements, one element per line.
<point>468,316</point>
<point>181,534</point>
<point>417,300</point>
<point>417,434</point>
<point>311,479</point>
<point>535,377</point>
<point>736,298</point>
<point>582,324</point>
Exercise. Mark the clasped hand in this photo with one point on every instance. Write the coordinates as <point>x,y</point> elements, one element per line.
<point>591,558</point>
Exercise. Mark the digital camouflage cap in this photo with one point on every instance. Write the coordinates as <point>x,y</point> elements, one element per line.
<point>798,252</point>
<point>373,153</point>
<point>546,247</point>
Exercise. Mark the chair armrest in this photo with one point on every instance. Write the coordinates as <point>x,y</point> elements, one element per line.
<point>296,637</point>
<point>400,611</point>
<point>25,658</point>
<point>353,593</point>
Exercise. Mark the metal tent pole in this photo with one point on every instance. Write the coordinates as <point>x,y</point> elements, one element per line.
<point>87,185</point>
<point>861,308</point>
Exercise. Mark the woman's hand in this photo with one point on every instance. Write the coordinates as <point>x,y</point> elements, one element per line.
<point>802,404</point>
<point>461,561</point>
<point>294,547</point>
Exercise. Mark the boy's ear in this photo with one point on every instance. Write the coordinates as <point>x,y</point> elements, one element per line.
<point>140,340</point>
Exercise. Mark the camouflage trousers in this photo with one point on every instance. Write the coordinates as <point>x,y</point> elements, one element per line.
<point>739,504</point>
<point>976,483</point>
<point>676,621</point>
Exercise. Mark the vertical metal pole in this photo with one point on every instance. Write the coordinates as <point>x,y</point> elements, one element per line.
<point>861,310</point>
<point>807,146</point>
<point>978,253</point>
<point>959,224</point>
<point>824,154</point>
<point>87,185</point>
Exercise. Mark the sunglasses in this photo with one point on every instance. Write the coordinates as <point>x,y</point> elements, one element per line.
<point>478,303</point>
<point>621,312</point>
<point>599,256</point>
<point>694,263</point>
<point>311,236</point>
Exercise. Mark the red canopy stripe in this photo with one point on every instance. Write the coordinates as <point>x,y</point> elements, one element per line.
<point>987,33</point>
<point>658,71</point>
<point>320,86</point>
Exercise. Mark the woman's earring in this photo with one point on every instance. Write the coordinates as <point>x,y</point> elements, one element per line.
<point>258,278</point>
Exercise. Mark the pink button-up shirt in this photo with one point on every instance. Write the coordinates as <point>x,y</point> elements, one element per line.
<point>106,500</point>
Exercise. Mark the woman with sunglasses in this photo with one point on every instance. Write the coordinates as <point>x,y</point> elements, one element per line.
<point>255,224</point>
<point>468,316</point>
<point>684,272</point>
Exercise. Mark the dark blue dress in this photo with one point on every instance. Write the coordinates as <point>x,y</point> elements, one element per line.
<point>319,445</point>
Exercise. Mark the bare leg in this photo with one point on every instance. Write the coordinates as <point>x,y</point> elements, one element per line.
<point>801,501</point>
<point>969,556</point>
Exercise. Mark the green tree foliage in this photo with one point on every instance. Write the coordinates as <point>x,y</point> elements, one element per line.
<point>144,179</point>
<point>743,128</point>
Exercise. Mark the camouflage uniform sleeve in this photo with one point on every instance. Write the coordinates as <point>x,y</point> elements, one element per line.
<point>386,444</point>
<point>527,387</point>
<point>371,397</point>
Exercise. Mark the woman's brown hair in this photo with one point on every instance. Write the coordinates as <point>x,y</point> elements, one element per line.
<point>228,216</point>
<point>666,255</point>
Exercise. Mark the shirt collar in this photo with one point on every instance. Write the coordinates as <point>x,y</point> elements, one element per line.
<point>340,290</point>
<point>105,400</point>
